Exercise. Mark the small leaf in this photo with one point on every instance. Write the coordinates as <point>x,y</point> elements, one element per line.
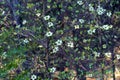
<point>48,0</point>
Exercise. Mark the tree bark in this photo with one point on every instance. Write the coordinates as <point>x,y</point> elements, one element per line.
<point>15,11</point>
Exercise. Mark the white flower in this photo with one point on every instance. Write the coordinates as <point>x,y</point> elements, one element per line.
<point>38,14</point>
<point>100,10</point>
<point>40,46</point>
<point>70,44</point>
<point>91,8</point>
<point>104,46</point>
<point>96,54</point>
<point>109,14</point>
<point>50,24</point>
<point>90,75</point>
<point>18,26</point>
<point>33,77</point>
<point>24,22</point>
<point>46,17</point>
<point>76,26</point>
<point>90,5</point>
<point>93,30</point>
<point>58,42</point>
<point>53,69</point>
<point>97,26</point>
<point>90,32</point>
<point>80,2</point>
<point>25,41</point>
<point>49,33</point>
<point>105,27</point>
<point>81,21</point>
<point>84,40</point>
<point>118,56</point>
<point>108,54</point>
<point>3,12</point>
<point>55,49</point>
<point>110,26</point>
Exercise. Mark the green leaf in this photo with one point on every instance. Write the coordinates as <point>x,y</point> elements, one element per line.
<point>48,0</point>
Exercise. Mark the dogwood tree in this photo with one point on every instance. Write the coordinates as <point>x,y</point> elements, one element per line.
<point>53,34</point>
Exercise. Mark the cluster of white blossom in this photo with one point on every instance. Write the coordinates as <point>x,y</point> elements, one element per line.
<point>97,54</point>
<point>50,24</point>
<point>52,70</point>
<point>100,10</point>
<point>91,31</point>
<point>109,14</point>
<point>25,41</point>
<point>56,48</point>
<point>106,27</point>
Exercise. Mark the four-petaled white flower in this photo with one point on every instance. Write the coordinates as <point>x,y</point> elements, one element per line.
<point>109,14</point>
<point>118,56</point>
<point>97,54</point>
<point>33,77</point>
<point>38,14</point>
<point>70,44</point>
<point>53,69</point>
<point>46,17</point>
<point>80,2</point>
<point>25,41</point>
<point>81,21</point>
<point>100,10</point>
<point>108,54</point>
<point>104,46</point>
<point>49,33</point>
<point>91,8</point>
<point>58,42</point>
<point>55,49</point>
<point>76,26</point>
<point>105,27</point>
<point>24,22</point>
<point>18,26</point>
<point>50,24</point>
<point>91,31</point>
